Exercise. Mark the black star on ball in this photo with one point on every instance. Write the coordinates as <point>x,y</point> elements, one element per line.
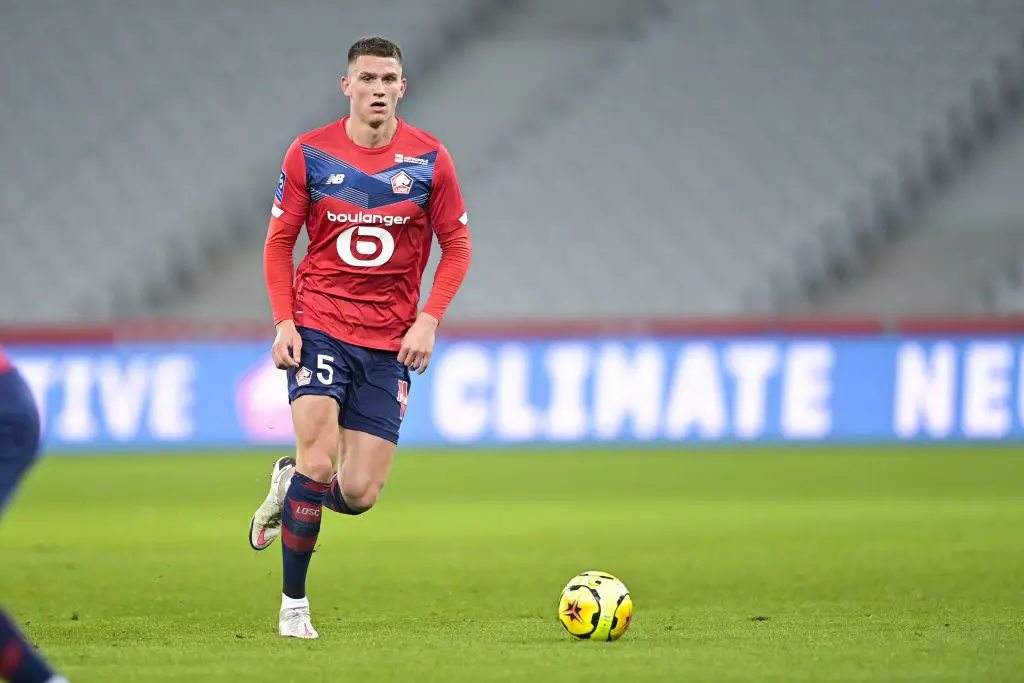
<point>572,611</point>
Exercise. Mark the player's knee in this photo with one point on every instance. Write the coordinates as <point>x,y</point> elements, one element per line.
<point>317,469</point>
<point>315,457</point>
<point>360,494</point>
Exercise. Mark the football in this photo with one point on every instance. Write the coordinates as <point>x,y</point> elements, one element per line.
<point>595,606</point>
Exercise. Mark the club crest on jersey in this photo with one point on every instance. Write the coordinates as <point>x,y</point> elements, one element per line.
<point>303,376</point>
<point>279,194</point>
<point>401,183</point>
<point>403,397</point>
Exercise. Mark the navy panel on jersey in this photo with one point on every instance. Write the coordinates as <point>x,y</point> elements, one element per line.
<point>19,432</point>
<point>370,386</point>
<point>329,176</point>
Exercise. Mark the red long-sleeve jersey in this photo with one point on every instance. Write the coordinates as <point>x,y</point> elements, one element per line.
<point>370,214</point>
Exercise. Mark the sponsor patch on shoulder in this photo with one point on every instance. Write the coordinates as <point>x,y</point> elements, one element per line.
<point>403,159</point>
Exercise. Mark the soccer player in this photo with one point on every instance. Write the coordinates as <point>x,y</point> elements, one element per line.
<point>372,192</point>
<point>19,446</point>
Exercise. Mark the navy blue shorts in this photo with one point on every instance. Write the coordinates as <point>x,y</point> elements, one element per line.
<point>370,386</point>
<point>19,432</point>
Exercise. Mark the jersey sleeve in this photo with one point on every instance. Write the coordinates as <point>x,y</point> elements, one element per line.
<point>278,273</point>
<point>456,253</point>
<point>447,211</point>
<point>450,223</point>
<point>291,199</point>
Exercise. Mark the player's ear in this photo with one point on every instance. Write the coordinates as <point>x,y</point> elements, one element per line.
<point>401,91</point>
<point>346,87</point>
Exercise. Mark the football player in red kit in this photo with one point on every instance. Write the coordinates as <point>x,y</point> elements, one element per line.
<point>372,192</point>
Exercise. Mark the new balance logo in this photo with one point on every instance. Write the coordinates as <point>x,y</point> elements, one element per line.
<point>335,179</point>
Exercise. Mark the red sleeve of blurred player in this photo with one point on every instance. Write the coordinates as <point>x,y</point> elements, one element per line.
<point>451,225</point>
<point>291,205</point>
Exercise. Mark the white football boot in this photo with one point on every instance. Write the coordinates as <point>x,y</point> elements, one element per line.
<point>294,621</point>
<point>265,525</point>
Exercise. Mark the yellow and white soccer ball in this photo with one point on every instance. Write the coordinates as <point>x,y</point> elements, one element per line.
<point>595,606</point>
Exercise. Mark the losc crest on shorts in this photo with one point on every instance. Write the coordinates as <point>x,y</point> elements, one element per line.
<point>370,386</point>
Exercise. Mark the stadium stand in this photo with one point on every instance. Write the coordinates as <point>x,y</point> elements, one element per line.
<point>672,180</point>
<point>136,145</point>
<point>958,256</point>
<point>1006,292</point>
<point>670,159</point>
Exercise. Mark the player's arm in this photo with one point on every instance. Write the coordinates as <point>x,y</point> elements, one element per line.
<point>450,223</point>
<point>291,205</point>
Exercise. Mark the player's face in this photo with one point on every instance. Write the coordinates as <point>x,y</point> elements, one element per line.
<point>375,85</point>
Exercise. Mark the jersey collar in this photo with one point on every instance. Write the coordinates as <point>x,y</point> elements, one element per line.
<point>371,150</point>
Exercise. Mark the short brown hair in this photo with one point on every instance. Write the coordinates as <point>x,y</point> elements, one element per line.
<point>374,46</point>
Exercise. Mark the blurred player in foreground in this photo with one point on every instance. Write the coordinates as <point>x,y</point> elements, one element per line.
<point>372,191</point>
<point>19,446</point>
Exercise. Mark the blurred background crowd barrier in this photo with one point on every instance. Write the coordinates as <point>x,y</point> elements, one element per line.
<point>693,220</point>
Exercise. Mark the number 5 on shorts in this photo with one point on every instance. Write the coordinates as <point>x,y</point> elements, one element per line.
<point>325,369</point>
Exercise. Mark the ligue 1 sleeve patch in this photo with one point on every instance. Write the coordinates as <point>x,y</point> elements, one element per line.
<point>279,194</point>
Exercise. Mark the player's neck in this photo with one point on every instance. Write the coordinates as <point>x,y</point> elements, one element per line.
<point>365,135</point>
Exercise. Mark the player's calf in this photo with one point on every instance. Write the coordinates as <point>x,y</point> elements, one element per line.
<point>364,471</point>
<point>316,435</point>
<point>351,498</point>
<point>19,662</point>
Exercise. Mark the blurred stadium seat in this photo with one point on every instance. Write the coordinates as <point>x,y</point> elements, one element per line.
<point>147,134</point>
<point>959,255</point>
<point>718,152</point>
<point>650,159</point>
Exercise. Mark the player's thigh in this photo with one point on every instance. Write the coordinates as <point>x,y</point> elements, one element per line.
<point>317,391</point>
<point>372,421</point>
<point>377,396</point>
<point>366,463</point>
<point>315,419</point>
<point>19,433</point>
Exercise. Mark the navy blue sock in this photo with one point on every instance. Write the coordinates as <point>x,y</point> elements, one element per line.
<point>335,501</point>
<point>19,663</point>
<point>300,526</point>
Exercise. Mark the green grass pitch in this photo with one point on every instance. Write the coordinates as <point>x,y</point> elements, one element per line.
<point>786,565</point>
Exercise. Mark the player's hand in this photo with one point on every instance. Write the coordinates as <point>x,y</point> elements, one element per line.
<point>418,344</point>
<point>287,349</point>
